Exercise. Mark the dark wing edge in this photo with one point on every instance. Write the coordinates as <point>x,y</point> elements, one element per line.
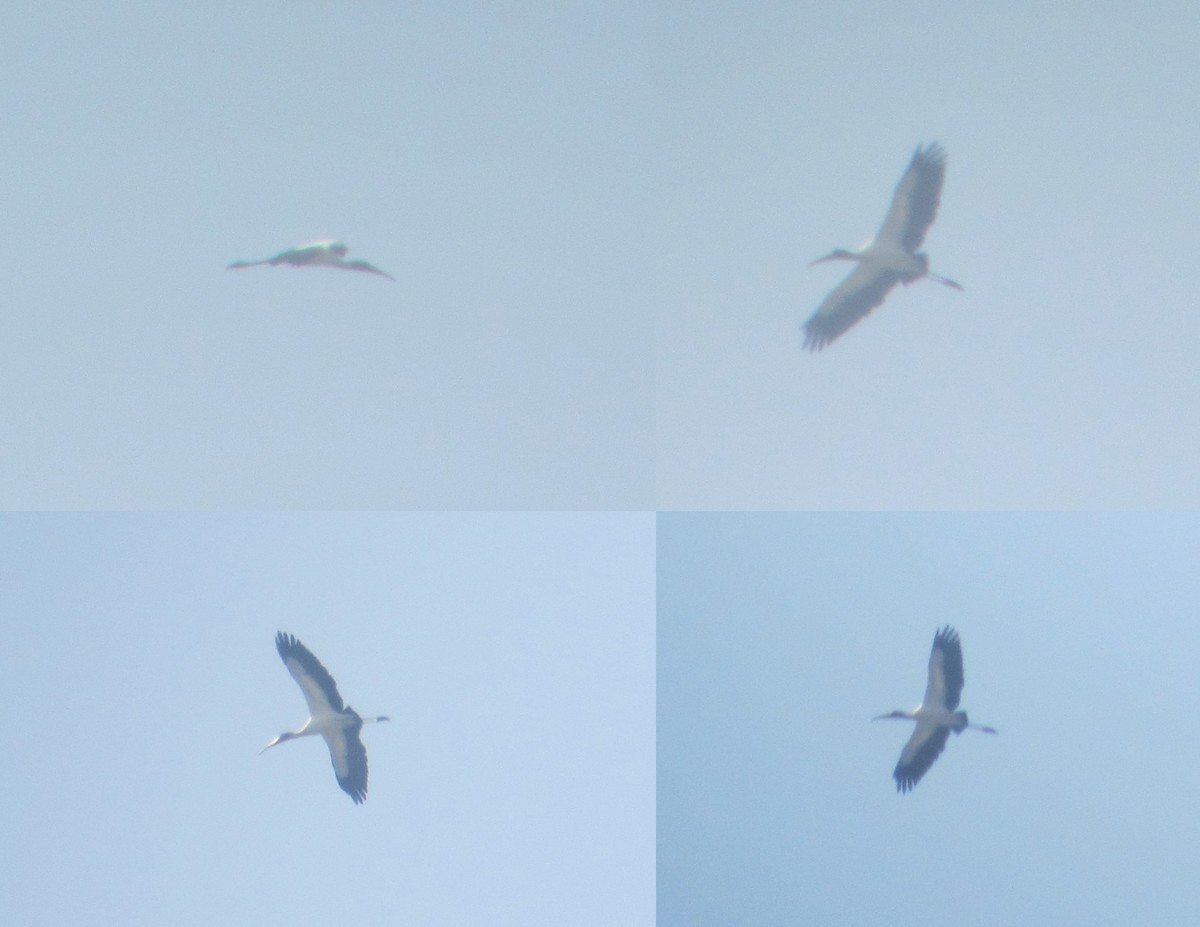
<point>928,170</point>
<point>948,642</point>
<point>354,783</point>
<point>288,646</point>
<point>908,775</point>
<point>841,312</point>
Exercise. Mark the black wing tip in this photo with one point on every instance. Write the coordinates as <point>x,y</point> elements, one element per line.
<point>289,645</point>
<point>815,338</point>
<point>945,636</point>
<point>947,639</point>
<point>932,153</point>
<point>822,331</point>
<point>908,776</point>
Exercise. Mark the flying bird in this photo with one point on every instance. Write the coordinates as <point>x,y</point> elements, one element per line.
<point>892,256</point>
<point>936,716</point>
<point>326,253</point>
<point>339,725</point>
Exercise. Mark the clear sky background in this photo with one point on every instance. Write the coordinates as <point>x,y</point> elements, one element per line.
<point>1064,376</point>
<point>495,158</point>
<point>781,636</point>
<point>513,786</point>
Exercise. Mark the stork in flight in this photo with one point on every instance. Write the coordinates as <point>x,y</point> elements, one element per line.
<point>338,724</point>
<point>892,256</point>
<point>326,253</point>
<point>936,716</point>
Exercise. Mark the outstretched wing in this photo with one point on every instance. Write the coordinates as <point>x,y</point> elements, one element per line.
<point>369,268</point>
<point>925,746</point>
<point>852,300</point>
<point>915,202</point>
<point>945,683</point>
<point>320,691</point>
<point>349,757</point>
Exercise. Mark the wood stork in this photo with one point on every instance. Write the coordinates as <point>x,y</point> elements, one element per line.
<point>325,253</point>
<point>935,716</point>
<point>890,258</point>
<point>339,725</point>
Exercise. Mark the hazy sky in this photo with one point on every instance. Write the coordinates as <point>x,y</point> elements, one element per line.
<point>1064,376</point>
<point>513,786</point>
<point>781,636</point>
<point>599,216</point>
<point>493,157</point>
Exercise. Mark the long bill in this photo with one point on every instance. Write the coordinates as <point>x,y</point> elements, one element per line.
<point>274,743</point>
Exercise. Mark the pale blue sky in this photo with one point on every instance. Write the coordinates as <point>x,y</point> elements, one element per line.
<point>494,158</point>
<point>508,164</point>
<point>599,217</point>
<point>781,636</point>
<point>1064,376</point>
<point>513,786</point>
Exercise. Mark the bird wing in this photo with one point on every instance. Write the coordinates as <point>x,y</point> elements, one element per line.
<point>320,691</point>
<point>349,757</point>
<point>925,746</point>
<point>857,295</point>
<point>945,670</point>
<point>915,202</point>
<point>369,268</point>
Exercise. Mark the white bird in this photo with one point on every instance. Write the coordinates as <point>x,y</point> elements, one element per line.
<point>890,258</point>
<point>338,724</point>
<point>325,253</point>
<point>935,716</point>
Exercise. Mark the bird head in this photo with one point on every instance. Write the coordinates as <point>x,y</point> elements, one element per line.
<point>286,735</point>
<point>891,714</point>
